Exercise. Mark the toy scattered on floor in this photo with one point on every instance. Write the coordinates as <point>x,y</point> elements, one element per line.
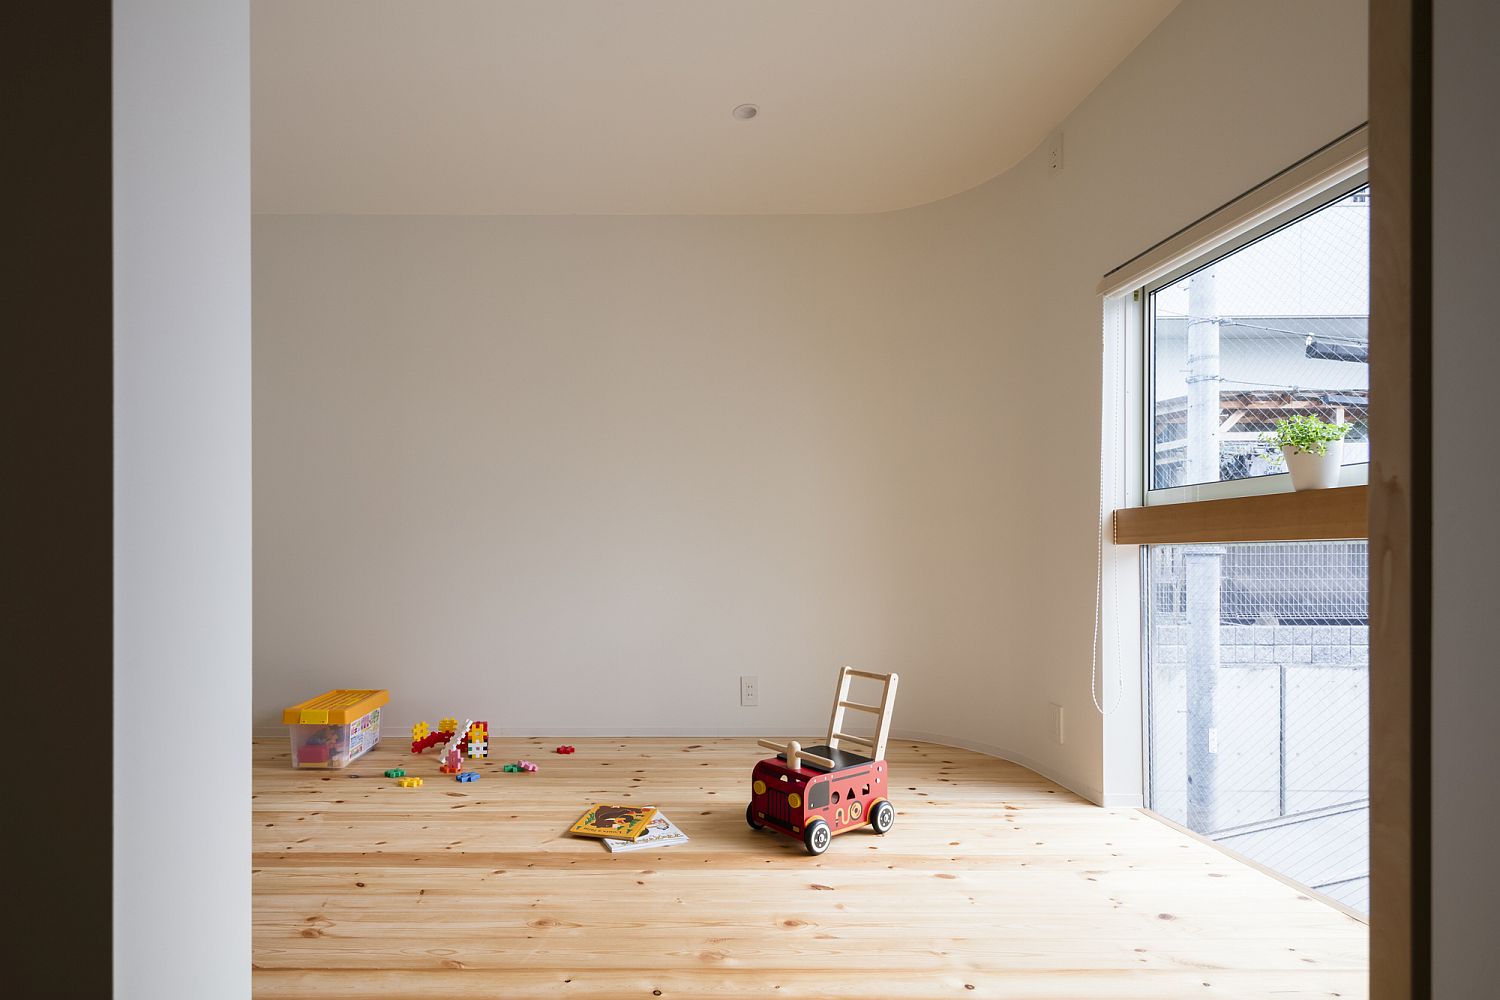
<point>453,762</point>
<point>410,782</point>
<point>478,742</point>
<point>526,765</point>
<point>511,768</point>
<point>467,776</point>
<point>474,737</point>
<point>453,750</point>
<point>336,728</point>
<point>813,794</point>
<point>519,766</point>
<point>564,749</point>
<point>395,772</point>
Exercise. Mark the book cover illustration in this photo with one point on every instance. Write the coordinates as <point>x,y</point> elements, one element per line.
<point>620,822</point>
<point>660,832</point>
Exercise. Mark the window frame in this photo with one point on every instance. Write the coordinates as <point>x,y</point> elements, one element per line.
<point>1142,328</point>
<point>1122,632</point>
<point>1323,178</point>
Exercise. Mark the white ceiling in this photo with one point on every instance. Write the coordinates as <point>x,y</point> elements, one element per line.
<point>497,107</point>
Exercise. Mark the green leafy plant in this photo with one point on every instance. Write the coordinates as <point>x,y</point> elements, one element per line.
<point>1307,433</point>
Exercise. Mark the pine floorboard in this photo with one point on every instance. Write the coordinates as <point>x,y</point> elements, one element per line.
<point>994,882</point>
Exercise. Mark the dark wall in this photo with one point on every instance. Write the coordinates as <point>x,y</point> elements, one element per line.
<point>57,486</point>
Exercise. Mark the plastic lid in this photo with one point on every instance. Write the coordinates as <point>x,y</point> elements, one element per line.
<point>335,708</point>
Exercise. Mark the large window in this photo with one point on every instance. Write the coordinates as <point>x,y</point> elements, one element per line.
<point>1274,328</point>
<point>1256,668</point>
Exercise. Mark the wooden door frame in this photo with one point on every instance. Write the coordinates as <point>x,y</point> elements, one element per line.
<point>1400,499</point>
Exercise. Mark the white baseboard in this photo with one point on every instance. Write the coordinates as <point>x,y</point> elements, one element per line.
<point>1079,788</point>
<point>1124,800</point>
<point>1089,792</point>
<point>562,733</point>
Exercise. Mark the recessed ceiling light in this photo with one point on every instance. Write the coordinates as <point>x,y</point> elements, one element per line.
<point>745,112</point>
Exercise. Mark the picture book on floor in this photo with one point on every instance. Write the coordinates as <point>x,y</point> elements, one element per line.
<point>660,832</point>
<point>620,822</point>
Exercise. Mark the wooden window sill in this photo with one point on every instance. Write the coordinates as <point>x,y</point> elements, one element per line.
<point>1311,515</point>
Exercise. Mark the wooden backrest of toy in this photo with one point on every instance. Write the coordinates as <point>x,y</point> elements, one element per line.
<point>882,712</point>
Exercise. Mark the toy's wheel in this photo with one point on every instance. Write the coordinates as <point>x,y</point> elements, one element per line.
<point>816,837</point>
<point>883,816</point>
<point>750,818</point>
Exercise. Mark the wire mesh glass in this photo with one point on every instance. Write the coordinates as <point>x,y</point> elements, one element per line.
<point>1257,672</point>
<point>1279,327</point>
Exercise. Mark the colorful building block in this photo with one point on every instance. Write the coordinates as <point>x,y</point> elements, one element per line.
<point>511,768</point>
<point>477,740</point>
<point>526,765</point>
<point>453,754</point>
<point>419,731</point>
<point>430,740</point>
<point>410,782</point>
<point>448,725</point>
<point>395,772</point>
<point>313,753</point>
<point>564,749</point>
<point>467,776</point>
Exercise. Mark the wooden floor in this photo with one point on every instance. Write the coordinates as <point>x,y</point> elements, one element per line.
<point>993,883</point>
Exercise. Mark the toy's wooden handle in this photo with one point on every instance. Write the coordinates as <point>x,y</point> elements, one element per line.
<point>798,753</point>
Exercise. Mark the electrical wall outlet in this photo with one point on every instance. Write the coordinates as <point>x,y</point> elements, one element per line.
<point>1057,722</point>
<point>749,691</point>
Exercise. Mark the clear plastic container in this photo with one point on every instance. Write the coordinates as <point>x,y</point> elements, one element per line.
<point>334,729</point>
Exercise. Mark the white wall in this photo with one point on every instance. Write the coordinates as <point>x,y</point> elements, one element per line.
<point>1466,538</point>
<point>575,475</point>
<point>182,500</point>
<point>578,474</point>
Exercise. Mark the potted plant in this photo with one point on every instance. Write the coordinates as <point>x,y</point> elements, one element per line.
<point>1313,449</point>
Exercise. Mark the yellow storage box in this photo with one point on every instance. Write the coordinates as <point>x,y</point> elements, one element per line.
<point>336,728</point>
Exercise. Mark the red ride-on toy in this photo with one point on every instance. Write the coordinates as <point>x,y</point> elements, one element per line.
<point>824,790</point>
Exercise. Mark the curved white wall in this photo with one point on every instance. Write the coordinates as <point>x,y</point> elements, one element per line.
<point>1219,97</point>
<point>578,474</point>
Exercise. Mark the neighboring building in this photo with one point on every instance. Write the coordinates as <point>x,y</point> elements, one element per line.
<point>1271,367</point>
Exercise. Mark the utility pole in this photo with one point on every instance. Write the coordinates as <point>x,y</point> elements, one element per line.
<point>1203,565</point>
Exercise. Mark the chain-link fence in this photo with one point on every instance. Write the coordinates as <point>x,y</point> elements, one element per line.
<point>1277,328</point>
<point>1258,704</point>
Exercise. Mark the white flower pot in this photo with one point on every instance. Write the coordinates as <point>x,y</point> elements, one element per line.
<point>1311,471</point>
